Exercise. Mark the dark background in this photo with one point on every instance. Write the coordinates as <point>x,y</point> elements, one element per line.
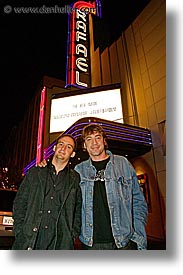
<point>34,45</point>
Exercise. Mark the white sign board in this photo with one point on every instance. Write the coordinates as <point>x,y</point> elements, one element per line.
<point>67,110</point>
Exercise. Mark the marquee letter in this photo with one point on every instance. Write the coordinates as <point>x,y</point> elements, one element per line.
<point>80,63</point>
<point>78,82</point>
<point>81,49</point>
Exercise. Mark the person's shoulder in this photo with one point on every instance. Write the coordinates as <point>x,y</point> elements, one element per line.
<point>35,169</point>
<point>115,156</point>
<point>74,173</point>
<point>82,163</point>
<point>32,170</point>
<point>120,158</point>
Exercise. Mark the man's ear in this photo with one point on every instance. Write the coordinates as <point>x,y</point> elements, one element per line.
<point>73,154</point>
<point>84,146</point>
<point>54,148</point>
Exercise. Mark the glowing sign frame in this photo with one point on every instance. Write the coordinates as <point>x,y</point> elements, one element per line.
<point>65,110</point>
<point>78,57</point>
<point>40,128</point>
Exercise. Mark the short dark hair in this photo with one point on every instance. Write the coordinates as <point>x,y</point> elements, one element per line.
<point>68,135</point>
<point>94,127</point>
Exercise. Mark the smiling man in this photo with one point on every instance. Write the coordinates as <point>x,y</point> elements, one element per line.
<point>114,210</point>
<point>47,207</point>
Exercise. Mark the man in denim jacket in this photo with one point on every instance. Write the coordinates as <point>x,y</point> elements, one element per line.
<point>114,210</point>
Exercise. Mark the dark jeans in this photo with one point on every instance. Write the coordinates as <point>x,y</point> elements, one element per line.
<point>110,246</point>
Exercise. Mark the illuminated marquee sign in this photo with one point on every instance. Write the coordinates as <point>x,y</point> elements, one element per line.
<point>78,56</point>
<point>67,110</point>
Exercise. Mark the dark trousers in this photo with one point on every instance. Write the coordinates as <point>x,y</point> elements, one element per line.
<point>110,246</point>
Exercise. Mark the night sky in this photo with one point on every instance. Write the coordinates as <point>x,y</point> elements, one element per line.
<point>34,45</point>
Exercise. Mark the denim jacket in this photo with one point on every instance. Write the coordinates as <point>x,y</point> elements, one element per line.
<point>127,205</point>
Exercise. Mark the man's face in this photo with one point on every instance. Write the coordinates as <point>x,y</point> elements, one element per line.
<point>64,149</point>
<point>94,144</point>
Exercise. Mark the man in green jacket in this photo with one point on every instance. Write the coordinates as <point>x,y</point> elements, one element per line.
<point>47,206</point>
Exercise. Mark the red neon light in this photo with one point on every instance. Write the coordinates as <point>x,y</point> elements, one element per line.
<point>73,58</point>
<point>82,4</point>
<point>40,128</point>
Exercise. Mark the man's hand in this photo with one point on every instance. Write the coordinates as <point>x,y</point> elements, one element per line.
<point>43,163</point>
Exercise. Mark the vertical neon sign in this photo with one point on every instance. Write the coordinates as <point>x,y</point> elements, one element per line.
<point>78,57</point>
<point>40,128</point>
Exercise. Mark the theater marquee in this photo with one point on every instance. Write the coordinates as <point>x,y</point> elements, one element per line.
<point>67,110</point>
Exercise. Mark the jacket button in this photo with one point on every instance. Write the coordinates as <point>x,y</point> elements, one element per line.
<point>35,229</point>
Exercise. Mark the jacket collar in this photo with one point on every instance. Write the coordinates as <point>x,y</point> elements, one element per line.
<point>108,152</point>
<point>68,180</point>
